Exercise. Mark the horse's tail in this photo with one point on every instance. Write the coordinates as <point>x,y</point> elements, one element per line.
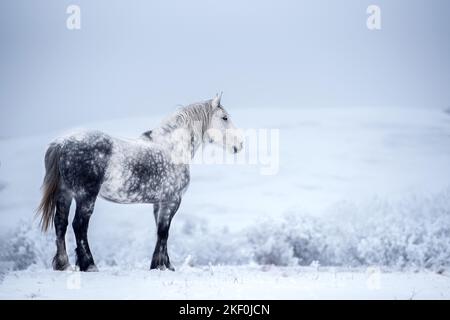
<point>50,187</point>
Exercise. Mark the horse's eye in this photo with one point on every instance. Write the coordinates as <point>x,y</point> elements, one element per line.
<point>225,118</point>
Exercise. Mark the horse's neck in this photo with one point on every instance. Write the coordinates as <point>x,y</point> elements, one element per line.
<point>181,139</point>
<point>185,129</point>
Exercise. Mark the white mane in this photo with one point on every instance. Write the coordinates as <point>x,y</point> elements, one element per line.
<point>196,114</point>
<point>195,118</point>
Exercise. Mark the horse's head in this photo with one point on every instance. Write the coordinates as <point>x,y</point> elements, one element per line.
<point>221,130</point>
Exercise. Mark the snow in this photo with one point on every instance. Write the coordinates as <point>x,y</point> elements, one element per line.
<point>356,187</point>
<point>224,282</point>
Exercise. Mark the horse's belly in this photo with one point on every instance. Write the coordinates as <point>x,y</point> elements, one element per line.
<point>120,189</point>
<point>123,195</point>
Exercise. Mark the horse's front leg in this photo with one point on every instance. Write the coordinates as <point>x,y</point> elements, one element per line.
<point>164,212</point>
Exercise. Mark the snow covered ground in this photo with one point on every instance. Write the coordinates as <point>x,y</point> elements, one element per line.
<point>245,282</point>
<point>356,187</point>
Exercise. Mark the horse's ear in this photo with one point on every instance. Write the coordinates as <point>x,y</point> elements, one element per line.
<point>216,100</point>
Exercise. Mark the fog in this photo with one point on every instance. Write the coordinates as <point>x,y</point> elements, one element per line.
<point>141,58</point>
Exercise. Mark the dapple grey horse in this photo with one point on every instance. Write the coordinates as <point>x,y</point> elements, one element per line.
<point>151,169</point>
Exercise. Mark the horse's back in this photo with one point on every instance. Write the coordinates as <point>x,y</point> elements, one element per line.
<point>84,158</point>
<point>125,171</point>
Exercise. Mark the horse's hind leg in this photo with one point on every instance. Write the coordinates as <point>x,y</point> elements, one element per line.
<point>80,224</point>
<point>164,213</point>
<point>61,260</point>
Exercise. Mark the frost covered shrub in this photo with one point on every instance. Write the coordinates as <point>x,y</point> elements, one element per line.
<point>414,233</point>
<point>291,241</point>
<point>206,245</point>
<point>270,244</point>
<point>25,246</point>
<point>411,234</point>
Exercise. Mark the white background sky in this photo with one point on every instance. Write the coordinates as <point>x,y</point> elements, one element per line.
<point>145,57</point>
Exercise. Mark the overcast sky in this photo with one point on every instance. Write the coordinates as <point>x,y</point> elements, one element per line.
<point>145,57</point>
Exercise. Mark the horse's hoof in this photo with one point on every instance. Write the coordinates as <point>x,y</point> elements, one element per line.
<point>62,268</point>
<point>157,267</point>
<point>87,267</point>
<point>61,263</point>
<point>162,266</point>
<point>92,268</point>
<point>161,262</point>
<point>170,267</point>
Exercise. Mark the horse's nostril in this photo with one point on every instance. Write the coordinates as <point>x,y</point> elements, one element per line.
<point>235,149</point>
